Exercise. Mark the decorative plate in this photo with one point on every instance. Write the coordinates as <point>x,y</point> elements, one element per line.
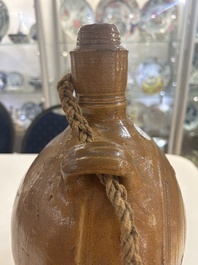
<point>194,78</point>
<point>31,110</point>
<point>157,116</point>
<point>19,38</point>
<point>4,19</point>
<point>3,80</point>
<point>191,118</point>
<point>135,111</point>
<point>15,81</point>
<point>36,82</point>
<point>124,14</point>
<point>33,32</point>
<point>73,15</point>
<point>158,17</point>
<point>152,75</point>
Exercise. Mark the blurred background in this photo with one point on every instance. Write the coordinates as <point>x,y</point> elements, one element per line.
<point>160,35</point>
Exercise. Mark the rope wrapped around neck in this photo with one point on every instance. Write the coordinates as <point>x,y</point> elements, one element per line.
<point>115,191</point>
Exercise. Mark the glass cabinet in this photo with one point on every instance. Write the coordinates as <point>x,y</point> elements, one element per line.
<point>157,34</point>
<point>20,73</point>
<point>160,35</point>
<point>187,144</point>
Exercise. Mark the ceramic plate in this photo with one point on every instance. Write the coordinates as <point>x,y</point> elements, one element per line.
<point>31,110</point>
<point>152,75</point>
<point>19,38</point>
<point>124,14</point>
<point>15,81</point>
<point>4,19</point>
<point>158,17</point>
<point>194,77</point>
<point>157,116</point>
<point>74,14</point>
<point>3,80</point>
<point>191,118</point>
<point>135,111</point>
<point>36,82</point>
<point>33,32</point>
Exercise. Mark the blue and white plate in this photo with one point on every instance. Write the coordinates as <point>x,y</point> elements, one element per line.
<point>31,110</point>
<point>15,81</point>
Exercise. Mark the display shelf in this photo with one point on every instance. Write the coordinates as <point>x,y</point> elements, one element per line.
<point>20,59</point>
<point>144,42</point>
<point>8,44</point>
<point>21,91</point>
<point>56,45</point>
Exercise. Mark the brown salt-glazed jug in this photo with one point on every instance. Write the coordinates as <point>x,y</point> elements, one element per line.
<point>63,212</point>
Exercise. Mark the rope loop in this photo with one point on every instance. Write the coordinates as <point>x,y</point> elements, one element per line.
<point>72,110</point>
<point>116,192</point>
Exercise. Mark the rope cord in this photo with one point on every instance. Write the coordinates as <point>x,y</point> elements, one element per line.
<point>115,191</point>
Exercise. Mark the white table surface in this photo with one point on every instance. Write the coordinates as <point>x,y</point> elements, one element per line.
<point>14,166</point>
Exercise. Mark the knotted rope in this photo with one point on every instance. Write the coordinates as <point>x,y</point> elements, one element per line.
<point>115,191</point>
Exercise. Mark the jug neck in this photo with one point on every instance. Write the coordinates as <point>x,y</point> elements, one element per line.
<point>103,109</point>
<point>100,79</point>
<point>99,73</point>
<point>99,67</point>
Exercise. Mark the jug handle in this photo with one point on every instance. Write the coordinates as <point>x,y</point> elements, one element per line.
<point>97,158</point>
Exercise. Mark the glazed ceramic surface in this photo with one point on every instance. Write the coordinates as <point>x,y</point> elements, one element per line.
<point>61,213</point>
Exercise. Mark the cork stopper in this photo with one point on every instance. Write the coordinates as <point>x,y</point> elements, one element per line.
<point>99,36</point>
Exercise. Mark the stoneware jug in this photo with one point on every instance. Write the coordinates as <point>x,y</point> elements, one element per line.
<point>101,192</point>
